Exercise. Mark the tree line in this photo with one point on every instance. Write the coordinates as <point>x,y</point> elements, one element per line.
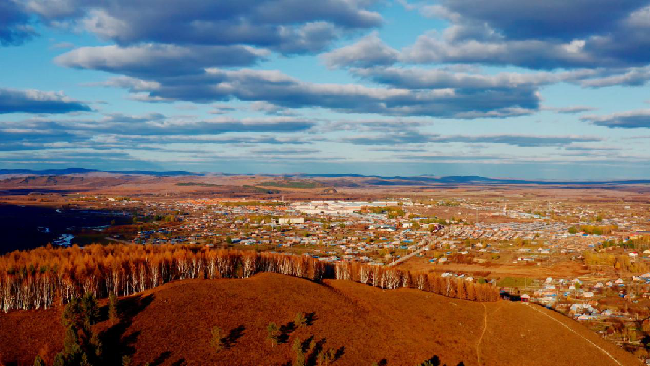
<point>593,229</point>
<point>47,276</point>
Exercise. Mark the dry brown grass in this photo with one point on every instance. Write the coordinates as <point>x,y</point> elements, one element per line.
<point>24,334</point>
<point>365,324</point>
<point>565,269</point>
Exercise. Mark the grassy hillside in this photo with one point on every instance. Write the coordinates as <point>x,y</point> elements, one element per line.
<point>170,325</point>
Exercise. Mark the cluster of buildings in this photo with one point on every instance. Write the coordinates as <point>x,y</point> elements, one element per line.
<point>507,231</point>
<point>334,231</point>
<point>337,208</point>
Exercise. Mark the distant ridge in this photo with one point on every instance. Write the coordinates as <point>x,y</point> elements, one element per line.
<point>372,179</point>
<point>67,171</point>
<point>468,179</point>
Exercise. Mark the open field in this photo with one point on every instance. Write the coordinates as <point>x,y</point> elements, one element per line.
<point>563,269</point>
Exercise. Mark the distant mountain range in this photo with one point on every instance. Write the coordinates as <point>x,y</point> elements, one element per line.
<point>67,171</point>
<point>469,179</point>
<point>368,179</point>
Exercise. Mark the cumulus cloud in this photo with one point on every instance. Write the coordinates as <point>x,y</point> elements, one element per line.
<point>131,131</point>
<point>188,62</point>
<point>368,51</point>
<point>538,35</point>
<point>223,125</point>
<point>626,120</point>
<point>436,78</point>
<point>282,90</point>
<point>14,24</point>
<point>286,26</point>
<point>156,59</point>
<point>36,101</point>
<point>158,124</point>
<point>636,76</point>
<point>550,19</point>
<point>534,53</point>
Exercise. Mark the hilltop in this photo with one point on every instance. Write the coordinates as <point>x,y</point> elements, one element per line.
<point>170,325</point>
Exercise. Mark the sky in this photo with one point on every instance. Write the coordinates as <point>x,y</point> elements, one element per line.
<point>553,89</point>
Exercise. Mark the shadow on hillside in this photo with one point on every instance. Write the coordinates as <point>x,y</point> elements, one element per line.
<point>434,361</point>
<point>290,327</point>
<point>339,352</point>
<point>233,336</point>
<point>317,349</point>
<point>179,362</point>
<point>115,341</point>
<point>310,318</point>
<point>285,331</point>
<point>317,354</point>
<point>161,358</point>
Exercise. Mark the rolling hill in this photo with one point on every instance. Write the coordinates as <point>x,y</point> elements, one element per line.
<point>170,325</point>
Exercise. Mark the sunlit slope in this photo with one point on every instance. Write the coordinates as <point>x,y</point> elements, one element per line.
<point>361,324</point>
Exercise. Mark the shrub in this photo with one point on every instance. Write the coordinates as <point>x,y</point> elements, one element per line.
<point>38,361</point>
<point>217,340</point>
<point>112,308</point>
<point>300,355</point>
<point>273,333</point>
<point>300,321</point>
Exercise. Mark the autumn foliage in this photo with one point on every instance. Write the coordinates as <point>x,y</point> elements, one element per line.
<point>393,278</point>
<point>44,277</point>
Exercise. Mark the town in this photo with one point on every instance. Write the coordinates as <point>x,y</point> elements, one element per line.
<point>590,261</point>
<point>586,259</point>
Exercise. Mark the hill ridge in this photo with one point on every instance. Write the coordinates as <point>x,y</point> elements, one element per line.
<point>397,327</point>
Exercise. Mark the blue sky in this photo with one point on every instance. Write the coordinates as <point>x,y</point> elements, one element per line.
<point>543,90</point>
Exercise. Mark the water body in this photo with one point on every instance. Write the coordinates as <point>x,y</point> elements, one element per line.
<point>27,227</point>
<point>64,240</point>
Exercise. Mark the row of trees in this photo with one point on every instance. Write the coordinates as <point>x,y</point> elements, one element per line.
<point>638,243</point>
<point>393,278</point>
<point>620,263</point>
<point>593,229</point>
<point>46,276</point>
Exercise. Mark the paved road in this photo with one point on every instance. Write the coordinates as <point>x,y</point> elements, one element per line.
<point>408,256</point>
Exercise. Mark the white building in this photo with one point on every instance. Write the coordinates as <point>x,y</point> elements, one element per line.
<point>291,220</point>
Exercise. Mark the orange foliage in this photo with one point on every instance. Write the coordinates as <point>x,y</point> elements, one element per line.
<point>46,276</point>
